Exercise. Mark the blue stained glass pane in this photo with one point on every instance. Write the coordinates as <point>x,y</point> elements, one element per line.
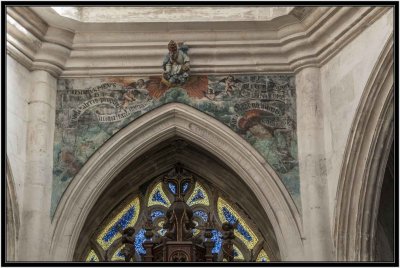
<point>243,232</point>
<point>201,214</point>
<point>235,253</point>
<point>185,187</point>
<point>156,213</point>
<point>119,254</point>
<point>232,219</point>
<point>263,260</point>
<point>199,195</point>
<point>172,187</point>
<point>217,240</point>
<point>121,224</point>
<point>157,197</point>
<point>139,239</point>
<point>92,259</point>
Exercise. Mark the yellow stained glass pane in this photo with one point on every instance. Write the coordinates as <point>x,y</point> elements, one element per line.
<point>196,232</point>
<point>239,255</point>
<point>243,231</point>
<point>262,256</point>
<point>198,196</point>
<point>117,256</point>
<point>158,197</point>
<point>126,218</point>
<point>92,257</point>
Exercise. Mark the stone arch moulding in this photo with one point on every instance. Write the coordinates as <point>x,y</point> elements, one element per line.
<point>363,167</point>
<point>167,121</point>
<point>12,214</point>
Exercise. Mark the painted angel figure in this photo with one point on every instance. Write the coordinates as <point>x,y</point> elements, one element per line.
<point>230,84</point>
<point>176,64</point>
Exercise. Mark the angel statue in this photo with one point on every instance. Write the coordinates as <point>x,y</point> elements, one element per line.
<point>176,65</point>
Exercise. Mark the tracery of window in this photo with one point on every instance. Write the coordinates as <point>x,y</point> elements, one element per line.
<point>92,256</point>
<point>160,196</point>
<point>242,231</point>
<point>238,255</point>
<point>127,217</point>
<point>262,257</point>
<point>199,196</point>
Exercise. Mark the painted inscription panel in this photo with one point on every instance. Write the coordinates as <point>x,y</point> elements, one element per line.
<point>260,108</point>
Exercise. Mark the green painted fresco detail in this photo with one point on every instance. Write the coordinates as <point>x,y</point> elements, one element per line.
<point>260,108</point>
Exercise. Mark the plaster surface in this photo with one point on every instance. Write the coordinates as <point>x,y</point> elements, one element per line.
<point>261,108</point>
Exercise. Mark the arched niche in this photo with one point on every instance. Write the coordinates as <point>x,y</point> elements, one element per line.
<point>138,175</point>
<point>155,127</point>
<point>364,163</point>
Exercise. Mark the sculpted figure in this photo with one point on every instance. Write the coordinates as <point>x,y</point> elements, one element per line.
<point>176,65</point>
<point>129,243</point>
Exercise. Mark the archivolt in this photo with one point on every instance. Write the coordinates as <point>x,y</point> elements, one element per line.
<point>152,128</point>
<point>13,222</point>
<point>363,167</point>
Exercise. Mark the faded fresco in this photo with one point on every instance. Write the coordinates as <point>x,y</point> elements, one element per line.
<point>260,108</point>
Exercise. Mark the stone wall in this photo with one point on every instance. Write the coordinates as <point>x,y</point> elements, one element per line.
<point>18,94</point>
<point>343,80</point>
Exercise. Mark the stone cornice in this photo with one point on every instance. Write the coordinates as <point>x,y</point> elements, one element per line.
<point>34,44</point>
<point>67,48</point>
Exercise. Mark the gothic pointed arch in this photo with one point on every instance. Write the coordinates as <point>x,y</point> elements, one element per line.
<point>367,150</point>
<point>146,132</point>
<point>12,213</point>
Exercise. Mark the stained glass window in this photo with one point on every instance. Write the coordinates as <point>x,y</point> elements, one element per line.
<point>185,187</point>
<point>262,256</point>
<point>172,187</point>
<point>92,256</point>
<point>158,197</point>
<point>126,218</point>
<point>117,256</point>
<point>139,239</point>
<point>162,232</point>
<point>156,214</point>
<point>217,241</point>
<point>242,231</point>
<point>202,214</point>
<point>199,196</point>
<point>238,255</point>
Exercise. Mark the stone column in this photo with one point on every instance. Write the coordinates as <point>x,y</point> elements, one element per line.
<point>313,180</point>
<point>35,223</point>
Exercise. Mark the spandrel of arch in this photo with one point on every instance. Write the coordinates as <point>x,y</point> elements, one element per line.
<point>92,256</point>
<point>242,231</point>
<point>127,217</point>
<point>158,197</point>
<point>198,196</point>
<point>262,256</point>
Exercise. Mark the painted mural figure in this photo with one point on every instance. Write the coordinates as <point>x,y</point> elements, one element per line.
<point>141,87</point>
<point>127,98</point>
<point>176,65</point>
<point>230,84</point>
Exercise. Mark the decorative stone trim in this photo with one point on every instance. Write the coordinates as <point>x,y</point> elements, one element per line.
<point>364,162</point>
<point>303,38</point>
<point>156,126</point>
